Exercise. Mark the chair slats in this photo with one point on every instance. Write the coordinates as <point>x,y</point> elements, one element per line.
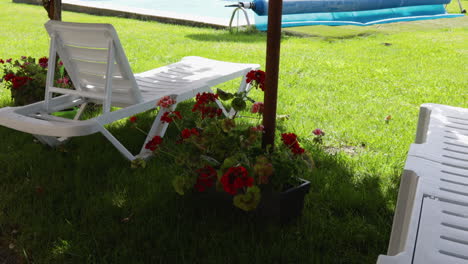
<point>87,54</point>
<point>441,237</point>
<point>89,67</point>
<point>91,80</point>
<point>84,38</point>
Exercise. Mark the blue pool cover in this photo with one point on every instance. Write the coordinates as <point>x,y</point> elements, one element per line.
<point>360,18</point>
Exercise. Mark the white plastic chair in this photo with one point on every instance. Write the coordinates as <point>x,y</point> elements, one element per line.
<point>431,217</point>
<point>430,225</point>
<point>100,72</point>
<point>442,134</point>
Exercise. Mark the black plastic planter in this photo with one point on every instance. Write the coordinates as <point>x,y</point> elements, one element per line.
<point>280,207</point>
<point>284,206</point>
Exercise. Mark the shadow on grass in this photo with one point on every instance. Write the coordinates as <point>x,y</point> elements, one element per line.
<point>85,205</point>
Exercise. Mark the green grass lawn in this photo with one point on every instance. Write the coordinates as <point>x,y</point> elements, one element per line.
<point>66,205</point>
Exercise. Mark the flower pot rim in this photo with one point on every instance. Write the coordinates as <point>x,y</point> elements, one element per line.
<point>302,185</point>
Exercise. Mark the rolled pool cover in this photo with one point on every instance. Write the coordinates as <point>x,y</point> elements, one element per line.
<point>260,7</point>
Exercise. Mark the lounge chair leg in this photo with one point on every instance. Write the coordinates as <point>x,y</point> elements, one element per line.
<point>157,129</point>
<point>50,141</point>
<point>80,111</point>
<point>117,144</point>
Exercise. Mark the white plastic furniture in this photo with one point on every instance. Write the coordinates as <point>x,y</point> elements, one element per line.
<point>100,72</point>
<point>442,134</point>
<point>431,218</point>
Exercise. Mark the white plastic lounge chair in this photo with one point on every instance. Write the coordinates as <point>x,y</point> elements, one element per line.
<point>431,217</point>
<point>442,134</point>
<point>90,53</point>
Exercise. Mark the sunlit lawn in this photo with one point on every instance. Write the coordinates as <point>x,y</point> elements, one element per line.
<point>342,80</point>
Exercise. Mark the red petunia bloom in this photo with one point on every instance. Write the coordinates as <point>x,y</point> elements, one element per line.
<point>206,178</point>
<point>43,62</point>
<point>133,119</point>
<point>154,143</point>
<point>2,61</point>
<point>9,60</point>
<point>170,116</point>
<point>235,178</point>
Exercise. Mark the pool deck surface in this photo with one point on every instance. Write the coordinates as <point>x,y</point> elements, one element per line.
<point>107,9</point>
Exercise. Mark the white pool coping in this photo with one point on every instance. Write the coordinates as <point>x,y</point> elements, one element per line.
<point>107,9</point>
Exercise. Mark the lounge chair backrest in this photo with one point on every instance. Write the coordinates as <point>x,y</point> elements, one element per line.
<point>91,53</point>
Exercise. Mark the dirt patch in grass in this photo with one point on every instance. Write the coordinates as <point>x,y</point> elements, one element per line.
<point>349,150</point>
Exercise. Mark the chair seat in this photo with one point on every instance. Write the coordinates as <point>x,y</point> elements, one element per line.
<point>187,74</point>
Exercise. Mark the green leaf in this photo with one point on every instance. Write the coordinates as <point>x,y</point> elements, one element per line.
<point>224,95</point>
<point>248,201</point>
<point>238,104</point>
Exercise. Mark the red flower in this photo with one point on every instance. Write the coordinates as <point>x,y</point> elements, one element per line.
<point>257,107</point>
<point>206,98</point>
<point>18,81</point>
<point>243,181</point>
<point>2,61</point>
<point>186,133</point>
<point>154,143</point>
<point>63,80</point>
<point>165,102</point>
<point>8,77</point>
<point>43,62</point>
<point>133,119</point>
<point>318,132</point>
<point>202,105</point>
<point>258,128</point>
<point>206,178</point>
<point>235,178</point>
<point>170,116</point>
<point>289,139</point>
<point>297,149</point>
<point>256,78</point>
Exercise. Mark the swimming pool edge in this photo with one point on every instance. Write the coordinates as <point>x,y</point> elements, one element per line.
<point>101,11</point>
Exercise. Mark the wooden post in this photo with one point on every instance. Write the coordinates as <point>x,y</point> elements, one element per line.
<point>272,68</point>
<point>53,8</point>
<point>57,12</point>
